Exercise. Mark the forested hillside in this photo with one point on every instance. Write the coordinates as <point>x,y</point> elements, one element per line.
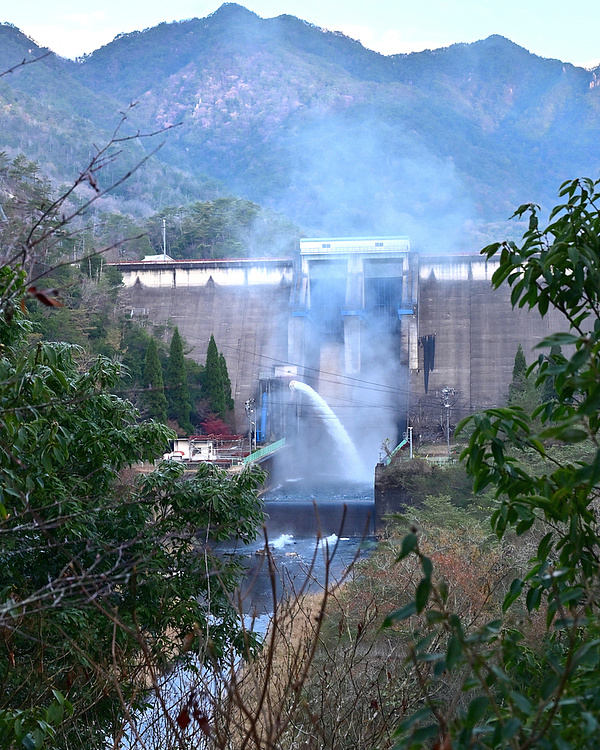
<point>341,140</point>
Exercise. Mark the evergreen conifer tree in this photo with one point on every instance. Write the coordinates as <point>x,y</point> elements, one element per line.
<point>520,367</point>
<point>213,379</point>
<point>178,397</point>
<point>154,398</point>
<point>522,391</point>
<point>226,383</point>
<point>548,389</point>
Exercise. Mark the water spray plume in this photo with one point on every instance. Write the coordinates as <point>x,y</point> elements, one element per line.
<point>354,467</point>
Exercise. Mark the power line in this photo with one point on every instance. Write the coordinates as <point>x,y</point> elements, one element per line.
<point>426,402</point>
<point>361,383</point>
<point>352,404</point>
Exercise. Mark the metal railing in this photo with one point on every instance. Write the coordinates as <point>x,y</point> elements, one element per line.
<point>262,452</point>
<point>439,460</point>
<point>388,459</point>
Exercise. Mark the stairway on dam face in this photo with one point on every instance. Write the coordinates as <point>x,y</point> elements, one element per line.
<point>249,324</point>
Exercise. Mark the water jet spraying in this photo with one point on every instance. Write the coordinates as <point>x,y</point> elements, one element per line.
<point>353,465</point>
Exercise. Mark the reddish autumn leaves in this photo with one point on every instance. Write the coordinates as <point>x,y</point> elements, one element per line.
<point>192,711</point>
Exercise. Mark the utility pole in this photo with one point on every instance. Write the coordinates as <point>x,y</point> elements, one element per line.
<point>446,394</point>
<point>410,450</point>
<point>164,236</point>
<point>251,414</point>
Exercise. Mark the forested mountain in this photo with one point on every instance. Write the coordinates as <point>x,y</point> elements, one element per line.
<point>340,139</point>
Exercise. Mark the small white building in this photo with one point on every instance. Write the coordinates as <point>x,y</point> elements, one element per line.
<point>217,449</point>
<point>195,448</point>
<point>159,258</point>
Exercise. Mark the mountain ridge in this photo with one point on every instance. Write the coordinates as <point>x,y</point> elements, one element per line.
<point>308,122</point>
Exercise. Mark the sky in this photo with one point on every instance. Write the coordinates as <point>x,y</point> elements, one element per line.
<point>549,28</point>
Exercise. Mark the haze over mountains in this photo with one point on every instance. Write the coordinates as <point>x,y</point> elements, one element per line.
<point>344,141</point>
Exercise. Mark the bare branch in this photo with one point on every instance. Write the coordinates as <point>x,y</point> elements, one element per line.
<point>25,62</point>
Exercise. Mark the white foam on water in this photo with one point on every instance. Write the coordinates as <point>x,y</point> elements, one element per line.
<point>329,541</point>
<point>281,541</point>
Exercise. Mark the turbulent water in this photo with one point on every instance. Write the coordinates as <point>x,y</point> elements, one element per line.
<point>315,531</point>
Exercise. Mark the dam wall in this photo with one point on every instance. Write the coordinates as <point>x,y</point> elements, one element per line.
<point>476,333</point>
<point>453,338</point>
<point>178,274</point>
<point>243,303</point>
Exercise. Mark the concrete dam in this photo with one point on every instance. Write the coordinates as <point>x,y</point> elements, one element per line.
<point>382,334</point>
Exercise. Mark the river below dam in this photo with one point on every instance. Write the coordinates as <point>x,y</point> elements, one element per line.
<point>305,527</point>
